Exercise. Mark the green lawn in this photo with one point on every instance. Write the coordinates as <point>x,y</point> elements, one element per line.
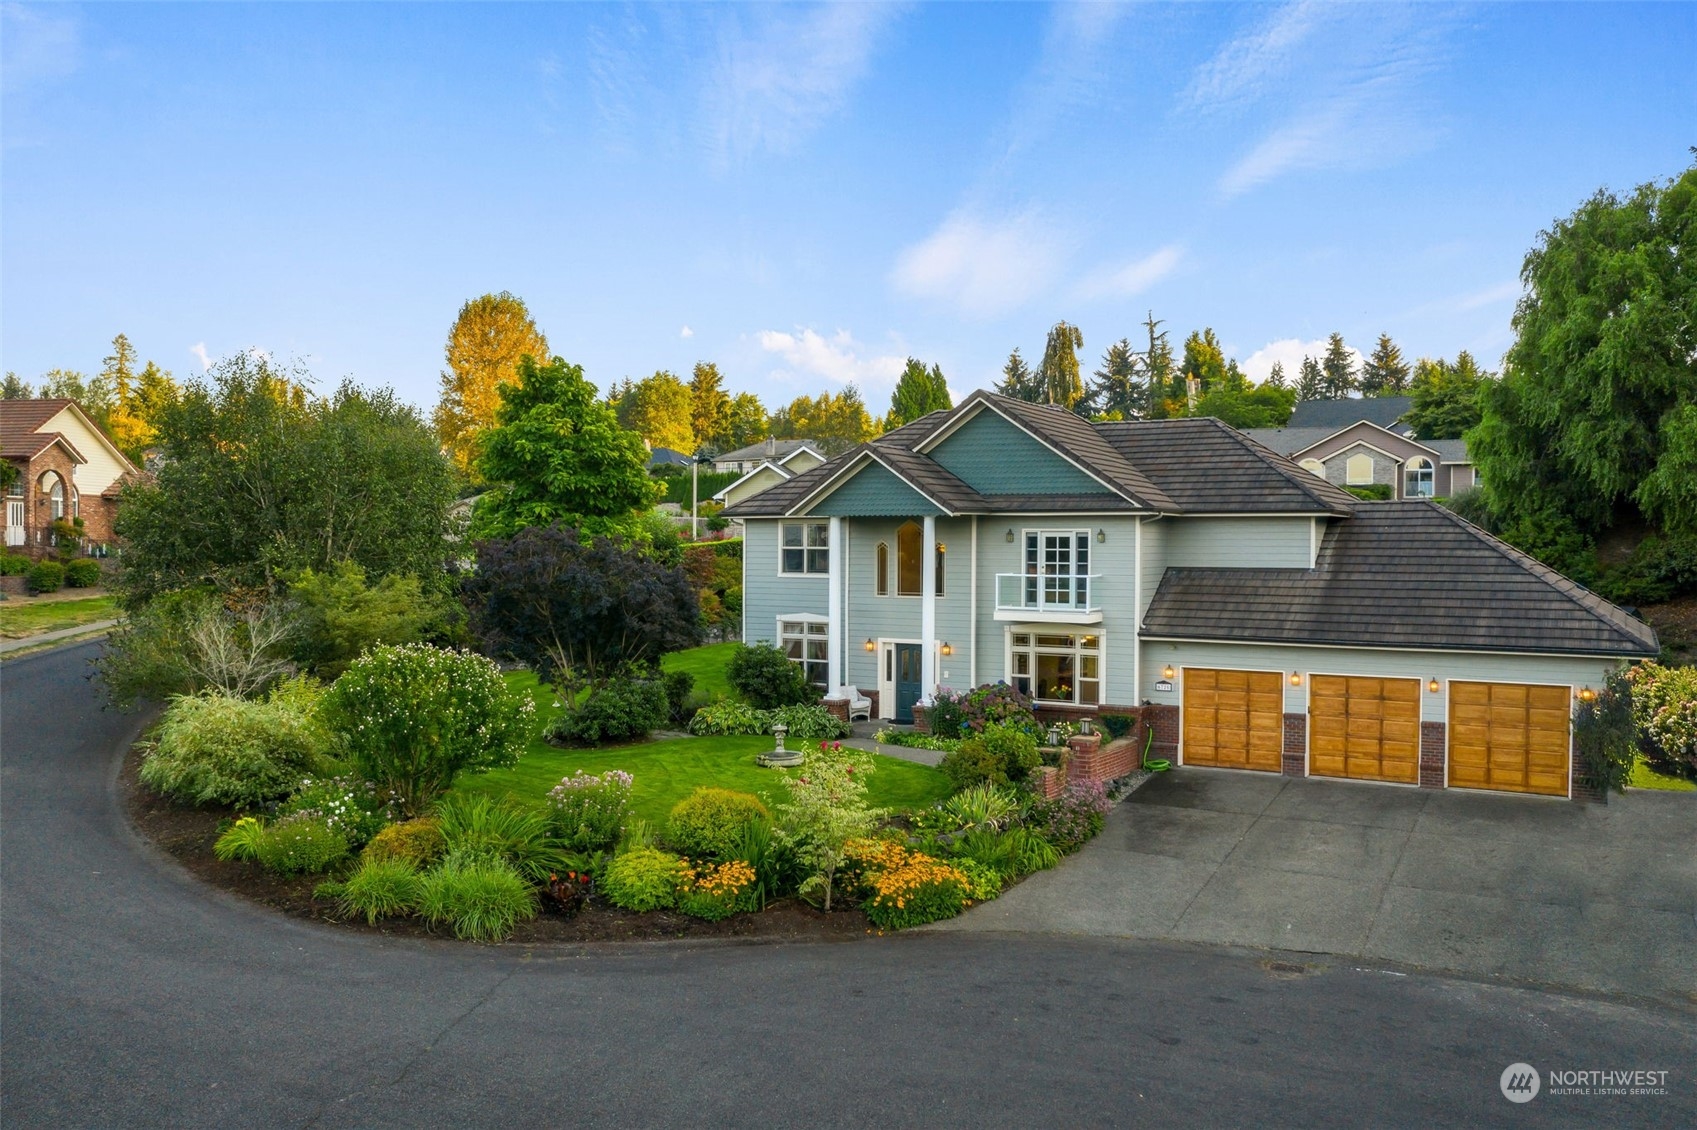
<point>22,617</point>
<point>707,664</point>
<point>667,771</point>
<point>1644,777</point>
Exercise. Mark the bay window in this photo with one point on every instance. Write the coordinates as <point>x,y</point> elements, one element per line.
<point>1057,667</point>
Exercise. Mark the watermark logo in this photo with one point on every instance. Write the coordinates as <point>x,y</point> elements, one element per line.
<point>1519,1083</point>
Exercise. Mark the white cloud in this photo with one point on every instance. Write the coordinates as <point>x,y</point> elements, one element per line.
<point>1244,67</point>
<point>984,267</point>
<point>1290,351</point>
<point>780,73</point>
<point>1074,68</point>
<point>1132,278</point>
<point>686,332</point>
<point>198,349</point>
<point>837,358</point>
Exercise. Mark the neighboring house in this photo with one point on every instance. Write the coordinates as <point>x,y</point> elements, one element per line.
<point>1270,619</point>
<point>666,457</point>
<point>767,474</point>
<point>1360,442</point>
<point>67,468</point>
<point>793,455</point>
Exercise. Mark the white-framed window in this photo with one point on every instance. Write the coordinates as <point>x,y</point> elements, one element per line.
<point>1358,470</point>
<point>1314,466</point>
<point>806,547</point>
<point>883,568</point>
<point>1417,478</point>
<point>76,503</point>
<point>1058,562</point>
<point>54,487</point>
<point>1062,667</point>
<point>807,641</point>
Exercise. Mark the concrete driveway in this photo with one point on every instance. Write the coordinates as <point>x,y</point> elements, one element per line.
<point>1598,897</point>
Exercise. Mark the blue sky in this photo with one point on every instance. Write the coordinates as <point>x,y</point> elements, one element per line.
<point>805,195</point>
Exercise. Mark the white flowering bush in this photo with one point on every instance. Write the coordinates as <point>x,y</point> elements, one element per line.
<point>414,717</point>
<point>1664,707</point>
<point>588,811</point>
<point>355,808</point>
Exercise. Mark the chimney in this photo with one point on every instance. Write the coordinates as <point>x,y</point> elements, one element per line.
<point>771,445</point>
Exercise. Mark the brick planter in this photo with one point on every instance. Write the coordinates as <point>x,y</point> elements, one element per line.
<point>1094,760</point>
<point>921,721</point>
<point>1046,781</point>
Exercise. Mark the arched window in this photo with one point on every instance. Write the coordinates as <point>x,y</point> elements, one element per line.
<point>1417,478</point>
<point>54,488</point>
<point>941,553</point>
<point>76,503</point>
<point>1315,466</point>
<point>883,569</point>
<point>1358,470</point>
<point>909,566</point>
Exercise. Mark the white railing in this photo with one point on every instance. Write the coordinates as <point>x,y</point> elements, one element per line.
<point>1051,592</point>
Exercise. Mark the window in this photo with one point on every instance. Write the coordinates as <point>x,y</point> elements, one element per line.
<point>1057,668</point>
<point>1417,478</point>
<point>1058,563</point>
<point>883,569</point>
<point>16,487</point>
<point>909,567</point>
<point>941,550</point>
<point>76,503</point>
<point>807,642</point>
<point>806,547</point>
<point>1315,466</point>
<point>1358,471</point>
<point>54,487</point>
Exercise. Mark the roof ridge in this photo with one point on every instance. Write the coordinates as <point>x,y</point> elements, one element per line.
<point>1282,464</point>
<point>1587,599</point>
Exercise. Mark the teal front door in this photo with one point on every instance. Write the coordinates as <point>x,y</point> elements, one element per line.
<point>908,680</point>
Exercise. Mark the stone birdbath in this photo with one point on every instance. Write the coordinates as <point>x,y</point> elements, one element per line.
<point>781,758</point>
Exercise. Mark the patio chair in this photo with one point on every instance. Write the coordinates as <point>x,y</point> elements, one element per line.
<point>859,705</point>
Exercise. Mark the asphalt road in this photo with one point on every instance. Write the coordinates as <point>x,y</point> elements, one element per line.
<point>132,996</point>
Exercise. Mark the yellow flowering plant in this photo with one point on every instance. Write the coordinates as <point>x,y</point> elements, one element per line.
<point>716,890</point>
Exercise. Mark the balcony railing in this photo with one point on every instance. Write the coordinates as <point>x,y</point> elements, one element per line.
<point>1068,593</point>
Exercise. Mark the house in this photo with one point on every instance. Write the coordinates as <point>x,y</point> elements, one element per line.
<point>67,467</point>
<point>793,455</point>
<point>766,474</point>
<point>1362,442</point>
<point>1257,615</point>
<point>666,457</point>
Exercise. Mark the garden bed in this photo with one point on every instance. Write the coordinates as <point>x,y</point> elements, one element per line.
<point>187,835</point>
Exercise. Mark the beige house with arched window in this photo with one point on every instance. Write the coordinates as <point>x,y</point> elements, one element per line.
<point>61,466</point>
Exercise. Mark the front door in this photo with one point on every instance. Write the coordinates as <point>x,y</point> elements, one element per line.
<point>14,521</point>
<point>908,680</point>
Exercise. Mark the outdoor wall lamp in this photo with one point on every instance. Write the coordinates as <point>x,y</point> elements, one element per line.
<point>870,646</point>
<point>947,648</point>
<point>1433,685</point>
<point>1296,678</point>
<point>1101,535</point>
<point>1009,535</point>
<point>1586,694</point>
<point>1167,671</point>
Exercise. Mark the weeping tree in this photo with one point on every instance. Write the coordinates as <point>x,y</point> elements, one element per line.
<point>1058,374</point>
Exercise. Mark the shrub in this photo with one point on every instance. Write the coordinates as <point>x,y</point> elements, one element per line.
<point>805,723</point>
<point>999,753</point>
<point>1373,492</point>
<point>809,723</point>
<point>1117,726</point>
<point>347,804</point>
<point>1072,819</point>
<point>1659,569</point>
<point>913,739</point>
<point>481,825</point>
<point>728,717</point>
<point>981,806</point>
<point>827,808</point>
<point>340,616</point>
<point>14,565</point>
<point>680,686</point>
<point>956,714</point>
<point>45,576</point>
<point>480,897</point>
<point>418,841</point>
<point>766,678</point>
<point>709,822</point>
<point>213,749</point>
<point>380,888</point>
<point>299,845</point>
<point>1604,736</point>
<point>623,710</point>
<point>719,890</point>
<point>241,840</point>
<point>415,716</point>
<point>644,879</point>
<point>589,812</point>
<point>982,883</point>
<point>82,573</point>
<point>917,891</point>
<point>1664,709</point>
<point>1012,854</point>
<point>967,767</point>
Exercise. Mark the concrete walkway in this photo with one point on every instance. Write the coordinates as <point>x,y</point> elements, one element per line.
<point>1598,897</point>
<point>61,634</point>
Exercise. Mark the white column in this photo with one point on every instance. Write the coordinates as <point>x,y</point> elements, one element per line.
<point>928,609</point>
<point>972,611</point>
<point>834,596</point>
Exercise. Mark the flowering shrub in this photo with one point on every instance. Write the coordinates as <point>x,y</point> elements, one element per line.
<point>805,723</point>
<point>718,890</point>
<point>1664,706</point>
<point>418,842</point>
<point>301,844</point>
<point>589,811</point>
<point>644,879</point>
<point>347,804</point>
<point>960,714</point>
<point>917,890</point>
<point>1072,819</point>
<point>568,892</point>
<point>709,822</point>
<point>415,716</point>
<point>996,754</point>
<point>827,808</point>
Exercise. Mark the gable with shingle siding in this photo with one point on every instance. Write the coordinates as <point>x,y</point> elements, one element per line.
<point>994,457</point>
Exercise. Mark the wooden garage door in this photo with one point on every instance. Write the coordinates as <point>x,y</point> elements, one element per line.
<point>1509,736</point>
<point>1233,719</point>
<point>1364,728</point>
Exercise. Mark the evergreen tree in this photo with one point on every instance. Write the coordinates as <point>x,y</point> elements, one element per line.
<point>710,406</point>
<point>919,391</point>
<point>484,345</point>
<point>1311,382</point>
<point>1204,362</point>
<point>1018,381</point>
<point>1165,387</point>
<point>16,388</point>
<point>1058,374</point>
<point>1446,397</point>
<point>1117,390</point>
<point>1339,369</point>
<point>1276,378</point>
<point>1385,373</point>
<point>138,402</point>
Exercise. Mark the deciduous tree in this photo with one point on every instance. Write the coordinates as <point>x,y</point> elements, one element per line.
<point>838,421</point>
<point>746,422</point>
<point>661,412</point>
<point>920,391</point>
<point>1446,397</point>
<point>484,346</point>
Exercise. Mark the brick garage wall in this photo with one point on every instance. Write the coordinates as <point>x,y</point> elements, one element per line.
<point>1165,721</point>
<point>1432,755</point>
<point>98,514</point>
<point>1294,756</point>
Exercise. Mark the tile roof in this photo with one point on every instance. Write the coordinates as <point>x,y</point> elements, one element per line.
<point>1207,467</point>
<point>1334,415</point>
<point>766,449</point>
<point>1288,441</point>
<point>1400,575</point>
<point>1081,441</point>
<point>20,421</point>
<point>1449,450</point>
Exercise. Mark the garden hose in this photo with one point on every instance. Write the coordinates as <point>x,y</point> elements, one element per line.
<point>1160,764</point>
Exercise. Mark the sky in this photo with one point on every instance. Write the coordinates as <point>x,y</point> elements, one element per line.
<point>804,195</point>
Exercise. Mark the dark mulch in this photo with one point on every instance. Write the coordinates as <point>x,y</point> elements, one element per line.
<point>187,835</point>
